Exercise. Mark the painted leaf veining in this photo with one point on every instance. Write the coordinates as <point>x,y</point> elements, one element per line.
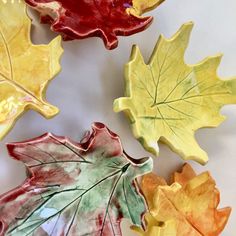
<point>25,69</point>
<point>74,188</point>
<point>167,100</point>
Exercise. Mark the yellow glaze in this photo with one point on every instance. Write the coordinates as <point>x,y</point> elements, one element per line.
<point>156,228</point>
<point>188,208</point>
<point>25,69</point>
<point>168,100</point>
<point>142,6</point>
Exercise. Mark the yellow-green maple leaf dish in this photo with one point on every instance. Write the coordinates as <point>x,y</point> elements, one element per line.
<point>25,69</point>
<point>168,100</point>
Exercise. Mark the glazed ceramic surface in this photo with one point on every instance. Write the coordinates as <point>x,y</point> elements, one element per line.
<point>85,92</point>
<point>104,18</point>
<point>188,207</point>
<point>168,100</point>
<point>25,68</point>
<point>74,188</point>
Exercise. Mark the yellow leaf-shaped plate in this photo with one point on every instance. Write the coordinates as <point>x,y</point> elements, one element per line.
<point>168,100</point>
<point>25,69</point>
<point>188,207</point>
<point>142,6</point>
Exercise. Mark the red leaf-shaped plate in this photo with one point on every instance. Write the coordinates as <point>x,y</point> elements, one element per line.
<point>100,18</point>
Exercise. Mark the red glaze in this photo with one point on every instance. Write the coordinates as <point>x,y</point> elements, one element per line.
<point>72,188</point>
<point>94,18</point>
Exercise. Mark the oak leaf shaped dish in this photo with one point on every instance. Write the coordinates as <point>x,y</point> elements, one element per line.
<point>25,69</point>
<point>96,18</point>
<point>188,207</point>
<point>74,188</point>
<point>167,100</point>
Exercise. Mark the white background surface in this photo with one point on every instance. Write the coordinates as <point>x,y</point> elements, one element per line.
<point>92,78</point>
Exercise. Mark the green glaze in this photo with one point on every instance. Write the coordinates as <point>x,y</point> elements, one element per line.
<point>83,192</point>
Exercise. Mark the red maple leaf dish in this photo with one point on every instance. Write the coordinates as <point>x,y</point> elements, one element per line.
<point>74,188</point>
<point>79,19</point>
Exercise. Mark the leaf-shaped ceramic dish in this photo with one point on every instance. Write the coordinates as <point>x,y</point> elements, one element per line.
<point>74,188</point>
<point>101,18</point>
<point>188,207</point>
<point>168,100</point>
<point>25,69</point>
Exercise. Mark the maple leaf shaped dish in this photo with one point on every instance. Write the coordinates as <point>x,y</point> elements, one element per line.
<point>25,69</point>
<point>74,188</point>
<point>188,207</point>
<point>101,18</point>
<point>168,100</point>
